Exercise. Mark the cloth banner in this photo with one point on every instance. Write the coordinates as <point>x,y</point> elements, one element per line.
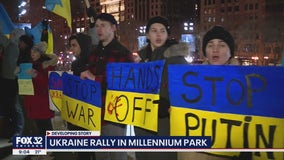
<point>238,106</point>
<point>81,102</point>
<point>132,90</point>
<point>25,81</point>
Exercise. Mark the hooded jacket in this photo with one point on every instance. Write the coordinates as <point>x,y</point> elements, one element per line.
<point>79,65</point>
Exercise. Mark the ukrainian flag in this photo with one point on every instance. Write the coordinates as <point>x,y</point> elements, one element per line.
<point>61,8</point>
<point>6,24</point>
<point>42,32</point>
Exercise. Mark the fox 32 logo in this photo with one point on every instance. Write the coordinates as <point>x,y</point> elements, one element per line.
<point>28,142</point>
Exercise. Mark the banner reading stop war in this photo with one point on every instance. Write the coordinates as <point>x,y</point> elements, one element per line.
<point>81,102</point>
<point>239,107</point>
<point>132,90</point>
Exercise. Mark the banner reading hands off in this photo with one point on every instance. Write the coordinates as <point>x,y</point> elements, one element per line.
<point>131,90</point>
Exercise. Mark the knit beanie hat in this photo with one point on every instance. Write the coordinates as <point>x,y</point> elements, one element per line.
<point>106,17</point>
<point>158,19</point>
<point>218,32</point>
<point>40,47</point>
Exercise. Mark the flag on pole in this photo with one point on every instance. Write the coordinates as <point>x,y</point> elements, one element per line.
<point>5,21</point>
<point>42,32</point>
<point>61,8</point>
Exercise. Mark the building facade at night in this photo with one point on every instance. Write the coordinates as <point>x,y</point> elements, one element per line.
<point>256,25</point>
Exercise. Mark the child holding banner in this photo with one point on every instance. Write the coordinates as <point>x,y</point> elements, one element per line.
<point>160,47</point>
<point>108,50</point>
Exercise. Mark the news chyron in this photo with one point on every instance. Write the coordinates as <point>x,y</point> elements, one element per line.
<point>91,141</point>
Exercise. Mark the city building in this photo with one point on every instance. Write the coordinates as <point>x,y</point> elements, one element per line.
<point>137,13</point>
<point>256,25</point>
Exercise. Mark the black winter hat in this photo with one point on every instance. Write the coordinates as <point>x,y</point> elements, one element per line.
<point>106,17</point>
<point>218,32</point>
<point>158,19</point>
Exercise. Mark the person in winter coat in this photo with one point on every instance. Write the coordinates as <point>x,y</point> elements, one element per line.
<point>25,45</point>
<point>37,105</point>
<point>160,47</point>
<point>108,50</point>
<point>218,48</point>
<point>80,45</point>
<point>8,82</point>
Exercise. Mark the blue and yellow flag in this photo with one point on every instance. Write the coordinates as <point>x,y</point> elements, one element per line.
<point>42,32</point>
<point>237,106</point>
<point>6,24</point>
<point>61,8</point>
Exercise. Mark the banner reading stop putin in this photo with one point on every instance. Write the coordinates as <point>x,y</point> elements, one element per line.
<point>239,107</point>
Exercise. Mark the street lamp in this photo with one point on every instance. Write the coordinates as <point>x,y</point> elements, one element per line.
<point>266,60</point>
<point>142,30</point>
<point>22,8</point>
<point>188,26</point>
<point>255,58</point>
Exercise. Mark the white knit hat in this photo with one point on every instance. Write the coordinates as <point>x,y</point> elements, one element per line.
<point>40,47</point>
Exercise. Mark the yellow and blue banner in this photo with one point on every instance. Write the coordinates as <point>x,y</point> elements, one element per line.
<point>81,102</point>
<point>55,90</point>
<point>237,106</point>
<point>25,82</point>
<point>132,90</point>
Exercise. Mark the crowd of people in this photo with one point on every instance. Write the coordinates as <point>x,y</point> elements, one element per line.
<point>91,60</point>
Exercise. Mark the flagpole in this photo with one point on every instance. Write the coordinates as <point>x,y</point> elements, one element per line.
<point>88,6</point>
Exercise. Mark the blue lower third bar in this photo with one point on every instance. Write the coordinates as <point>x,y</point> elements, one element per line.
<point>127,142</point>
